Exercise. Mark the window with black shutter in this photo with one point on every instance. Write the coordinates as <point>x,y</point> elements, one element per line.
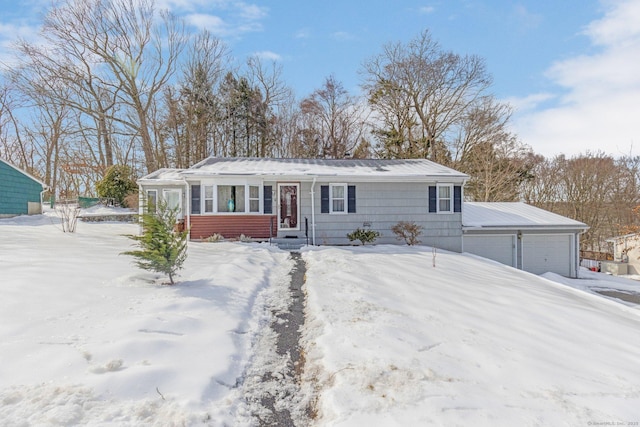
<point>457,198</point>
<point>268,199</point>
<point>324,199</point>
<point>351,198</point>
<point>195,199</point>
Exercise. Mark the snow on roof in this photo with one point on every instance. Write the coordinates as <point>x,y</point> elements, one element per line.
<point>166,175</point>
<point>409,168</point>
<point>513,214</point>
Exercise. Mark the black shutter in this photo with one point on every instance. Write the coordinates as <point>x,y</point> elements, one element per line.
<point>433,199</point>
<point>195,199</point>
<point>324,199</point>
<point>268,199</point>
<point>351,199</point>
<point>457,198</point>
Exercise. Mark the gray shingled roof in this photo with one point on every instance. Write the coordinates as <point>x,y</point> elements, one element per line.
<point>322,167</point>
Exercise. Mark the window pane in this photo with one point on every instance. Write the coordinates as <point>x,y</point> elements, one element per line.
<point>254,205</point>
<point>444,192</point>
<point>254,192</point>
<point>338,205</point>
<point>172,198</point>
<point>231,198</point>
<point>224,199</point>
<point>208,198</point>
<point>152,201</point>
<point>240,198</point>
<point>444,205</point>
<point>338,192</point>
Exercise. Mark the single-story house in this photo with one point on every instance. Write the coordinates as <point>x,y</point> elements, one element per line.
<point>20,193</point>
<point>323,200</point>
<point>522,236</point>
<point>318,199</point>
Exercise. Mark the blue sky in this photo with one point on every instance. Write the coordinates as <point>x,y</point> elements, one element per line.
<point>571,68</point>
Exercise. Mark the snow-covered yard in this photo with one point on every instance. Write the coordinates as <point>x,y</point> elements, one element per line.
<point>392,340</point>
<point>86,338</point>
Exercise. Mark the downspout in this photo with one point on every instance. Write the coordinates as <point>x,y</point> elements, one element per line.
<point>187,213</point>
<point>313,212</point>
<point>576,258</point>
<point>45,188</point>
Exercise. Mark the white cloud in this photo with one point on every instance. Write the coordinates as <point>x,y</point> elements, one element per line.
<point>224,18</point>
<point>213,23</point>
<point>268,55</point>
<point>598,108</point>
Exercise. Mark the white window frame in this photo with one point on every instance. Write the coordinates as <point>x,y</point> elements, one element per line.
<point>179,192</point>
<point>214,185</point>
<point>213,198</point>
<point>260,199</point>
<point>345,199</point>
<point>146,202</point>
<point>439,199</point>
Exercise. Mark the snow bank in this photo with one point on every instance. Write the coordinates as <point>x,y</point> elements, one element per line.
<point>392,340</point>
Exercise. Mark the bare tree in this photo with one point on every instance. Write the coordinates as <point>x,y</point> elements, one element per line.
<point>495,159</point>
<point>275,102</point>
<point>591,188</point>
<point>334,120</point>
<point>422,93</point>
<point>117,55</point>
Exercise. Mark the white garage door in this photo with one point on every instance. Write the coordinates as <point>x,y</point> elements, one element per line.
<point>499,248</point>
<point>548,252</point>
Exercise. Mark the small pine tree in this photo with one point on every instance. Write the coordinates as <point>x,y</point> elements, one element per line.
<point>163,248</point>
<point>365,236</point>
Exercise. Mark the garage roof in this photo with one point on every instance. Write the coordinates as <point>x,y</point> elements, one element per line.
<point>513,215</point>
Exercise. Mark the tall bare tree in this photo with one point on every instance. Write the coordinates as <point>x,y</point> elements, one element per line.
<point>334,121</point>
<point>117,56</point>
<point>275,99</point>
<point>494,158</point>
<point>422,93</point>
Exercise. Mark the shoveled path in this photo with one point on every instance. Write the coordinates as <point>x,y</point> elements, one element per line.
<point>287,326</point>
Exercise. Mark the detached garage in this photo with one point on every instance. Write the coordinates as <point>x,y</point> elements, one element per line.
<point>522,236</point>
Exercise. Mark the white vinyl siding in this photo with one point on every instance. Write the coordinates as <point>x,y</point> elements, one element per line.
<point>380,206</point>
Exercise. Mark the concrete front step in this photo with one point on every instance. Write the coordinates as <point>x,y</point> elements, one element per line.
<point>289,244</point>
